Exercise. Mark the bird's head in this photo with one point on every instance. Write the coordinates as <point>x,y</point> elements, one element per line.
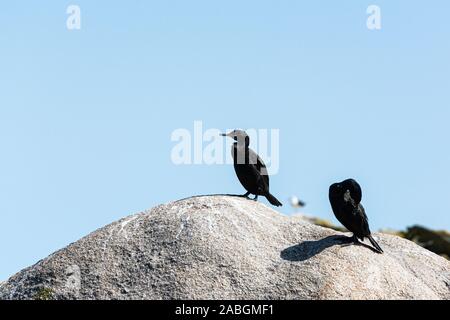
<point>345,189</point>
<point>238,135</point>
<point>336,190</point>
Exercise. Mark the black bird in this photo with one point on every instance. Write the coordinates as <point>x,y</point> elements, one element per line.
<point>345,198</point>
<point>250,169</point>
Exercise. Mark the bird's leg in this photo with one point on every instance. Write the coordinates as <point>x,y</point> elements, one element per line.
<point>246,195</point>
<point>255,198</point>
<point>355,239</point>
<point>348,241</point>
<point>352,241</point>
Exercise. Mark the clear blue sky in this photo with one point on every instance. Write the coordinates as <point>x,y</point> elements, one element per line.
<point>86,116</point>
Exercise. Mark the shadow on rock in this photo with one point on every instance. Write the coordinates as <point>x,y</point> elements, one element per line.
<point>308,249</point>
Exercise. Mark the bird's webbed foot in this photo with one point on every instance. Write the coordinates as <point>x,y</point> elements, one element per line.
<point>348,241</point>
<point>355,239</point>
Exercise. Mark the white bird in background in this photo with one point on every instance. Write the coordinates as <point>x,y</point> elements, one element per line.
<point>296,203</point>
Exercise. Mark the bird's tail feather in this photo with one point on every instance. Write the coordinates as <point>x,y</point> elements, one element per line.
<point>273,201</point>
<point>375,244</point>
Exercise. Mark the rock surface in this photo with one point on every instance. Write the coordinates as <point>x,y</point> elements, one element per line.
<point>217,247</point>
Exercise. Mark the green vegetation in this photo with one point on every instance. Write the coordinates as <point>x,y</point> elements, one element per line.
<point>436,241</point>
<point>325,223</point>
<point>44,294</point>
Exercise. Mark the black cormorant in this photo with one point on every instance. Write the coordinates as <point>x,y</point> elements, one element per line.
<point>250,169</point>
<point>345,198</point>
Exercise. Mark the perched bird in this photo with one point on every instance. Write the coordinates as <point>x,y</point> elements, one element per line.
<point>345,198</point>
<point>296,202</point>
<point>250,169</point>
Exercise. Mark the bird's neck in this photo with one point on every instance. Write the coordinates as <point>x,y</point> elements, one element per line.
<point>240,153</point>
<point>243,144</point>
